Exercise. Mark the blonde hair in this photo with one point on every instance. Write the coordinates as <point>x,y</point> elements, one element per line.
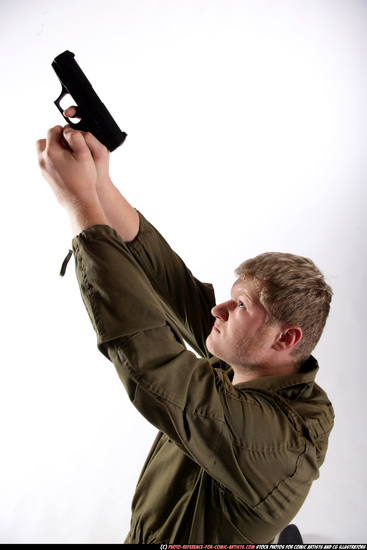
<point>293,292</point>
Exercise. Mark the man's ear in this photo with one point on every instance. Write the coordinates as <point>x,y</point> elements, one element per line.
<point>288,338</point>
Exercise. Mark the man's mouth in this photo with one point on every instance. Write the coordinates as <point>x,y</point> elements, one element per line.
<point>216,329</point>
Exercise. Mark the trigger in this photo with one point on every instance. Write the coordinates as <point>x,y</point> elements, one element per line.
<point>66,101</point>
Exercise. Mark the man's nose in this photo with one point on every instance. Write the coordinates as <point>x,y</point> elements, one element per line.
<point>221,311</point>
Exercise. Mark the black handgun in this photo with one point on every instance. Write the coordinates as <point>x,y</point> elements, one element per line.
<point>95,118</point>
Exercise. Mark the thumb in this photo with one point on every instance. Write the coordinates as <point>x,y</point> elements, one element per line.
<point>76,141</point>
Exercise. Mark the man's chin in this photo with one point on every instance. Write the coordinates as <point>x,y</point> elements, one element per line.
<point>212,348</point>
<point>208,344</point>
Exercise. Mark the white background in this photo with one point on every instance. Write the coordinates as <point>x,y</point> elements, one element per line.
<point>246,125</point>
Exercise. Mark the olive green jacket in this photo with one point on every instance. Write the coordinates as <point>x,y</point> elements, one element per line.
<point>230,464</point>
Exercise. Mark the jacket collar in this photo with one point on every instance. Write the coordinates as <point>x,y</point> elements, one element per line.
<point>291,386</point>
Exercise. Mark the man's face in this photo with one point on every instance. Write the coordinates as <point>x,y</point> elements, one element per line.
<point>238,336</point>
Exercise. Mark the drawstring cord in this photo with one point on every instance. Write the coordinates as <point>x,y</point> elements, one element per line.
<point>65,263</point>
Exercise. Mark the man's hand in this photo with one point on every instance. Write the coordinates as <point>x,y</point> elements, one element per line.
<point>120,214</point>
<point>99,152</point>
<point>68,165</point>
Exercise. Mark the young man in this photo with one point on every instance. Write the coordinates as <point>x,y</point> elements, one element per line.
<point>243,430</point>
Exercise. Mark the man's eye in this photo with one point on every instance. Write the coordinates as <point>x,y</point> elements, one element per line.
<point>241,304</point>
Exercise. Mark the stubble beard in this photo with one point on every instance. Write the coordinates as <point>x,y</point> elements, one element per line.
<point>246,357</point>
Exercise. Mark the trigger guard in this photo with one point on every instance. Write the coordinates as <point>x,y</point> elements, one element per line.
<point>78,114</point>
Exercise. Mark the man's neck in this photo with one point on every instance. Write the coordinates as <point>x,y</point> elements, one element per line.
<point>245,374</point>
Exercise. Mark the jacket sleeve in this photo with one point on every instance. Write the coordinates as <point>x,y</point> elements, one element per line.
<point>187,301</point>
<point>169,385</point>
<point>180,394</point>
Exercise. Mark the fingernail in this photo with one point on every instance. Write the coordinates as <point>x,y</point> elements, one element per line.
<point>67,130</point>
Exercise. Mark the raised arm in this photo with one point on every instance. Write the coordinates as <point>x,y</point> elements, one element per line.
<point>119,213</point>
<point>187,301</point>
<point>76,166</point>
